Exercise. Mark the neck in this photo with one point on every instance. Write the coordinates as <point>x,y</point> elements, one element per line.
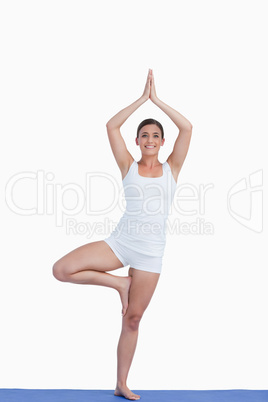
<point>149,161</point>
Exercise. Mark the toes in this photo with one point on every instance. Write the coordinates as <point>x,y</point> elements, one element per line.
<point>127,396</point>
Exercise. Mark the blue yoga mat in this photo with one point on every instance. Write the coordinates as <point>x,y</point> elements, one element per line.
<point>58,395</point>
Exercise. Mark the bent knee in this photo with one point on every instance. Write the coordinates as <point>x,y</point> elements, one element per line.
<point>133,321</point>
<point>59,272</point>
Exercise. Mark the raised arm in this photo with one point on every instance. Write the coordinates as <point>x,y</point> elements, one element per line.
<point>118,145</point>
<point>181,145</point>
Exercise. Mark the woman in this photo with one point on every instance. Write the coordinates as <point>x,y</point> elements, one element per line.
<point>139,238</point>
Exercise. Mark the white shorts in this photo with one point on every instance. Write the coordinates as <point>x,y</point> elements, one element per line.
<point>133,258</point>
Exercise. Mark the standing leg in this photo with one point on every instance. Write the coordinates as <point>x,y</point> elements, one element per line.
<point>141,291</point>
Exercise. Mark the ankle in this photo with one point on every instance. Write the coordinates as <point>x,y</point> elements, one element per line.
<point>122,284</point>
<point>121,384</point>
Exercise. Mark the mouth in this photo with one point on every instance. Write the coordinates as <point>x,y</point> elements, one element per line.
<point>150,146</point>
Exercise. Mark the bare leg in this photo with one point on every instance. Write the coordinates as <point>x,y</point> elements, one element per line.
<point>87,265</point>
<point>141,291</point>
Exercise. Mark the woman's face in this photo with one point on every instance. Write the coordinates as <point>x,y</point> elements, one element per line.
<point>150,139</point>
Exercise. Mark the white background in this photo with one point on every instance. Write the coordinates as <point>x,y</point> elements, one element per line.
<point>67,67</point>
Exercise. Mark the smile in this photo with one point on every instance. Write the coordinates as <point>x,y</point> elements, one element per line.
<point>149,146</point>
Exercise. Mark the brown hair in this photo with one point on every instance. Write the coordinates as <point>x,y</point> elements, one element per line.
<point>150,121</point>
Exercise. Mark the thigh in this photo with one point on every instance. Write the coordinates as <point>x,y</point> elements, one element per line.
<point>142,288</point>
<point>97,256</point>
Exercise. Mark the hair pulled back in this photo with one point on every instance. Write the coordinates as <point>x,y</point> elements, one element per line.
<point>150,121</point>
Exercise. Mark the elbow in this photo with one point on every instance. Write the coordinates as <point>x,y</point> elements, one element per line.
<point>187,128</point>
<point>109,126</point>
<point>109,123</point>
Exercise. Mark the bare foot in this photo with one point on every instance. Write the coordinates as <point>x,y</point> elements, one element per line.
<point>126,282</point>
<point>126,393</point>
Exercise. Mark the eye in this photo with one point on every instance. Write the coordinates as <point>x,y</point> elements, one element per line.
<point>144,135</point>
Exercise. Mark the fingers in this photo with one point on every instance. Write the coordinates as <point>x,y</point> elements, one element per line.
<point>151,77</point>
<point>149,84</point>
<point>152,87</point>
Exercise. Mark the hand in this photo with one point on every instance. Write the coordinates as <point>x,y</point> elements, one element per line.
<point>153,96</point>
<point>147,89</point>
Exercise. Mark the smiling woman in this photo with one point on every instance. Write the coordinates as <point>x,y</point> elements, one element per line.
<point>139,238</point>
<point>150,137</point>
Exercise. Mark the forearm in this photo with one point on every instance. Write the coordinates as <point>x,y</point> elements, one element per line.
<point>181,122</point>
<point>120,118</point>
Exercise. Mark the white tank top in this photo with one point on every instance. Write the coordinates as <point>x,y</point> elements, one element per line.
<point>142,227</point>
